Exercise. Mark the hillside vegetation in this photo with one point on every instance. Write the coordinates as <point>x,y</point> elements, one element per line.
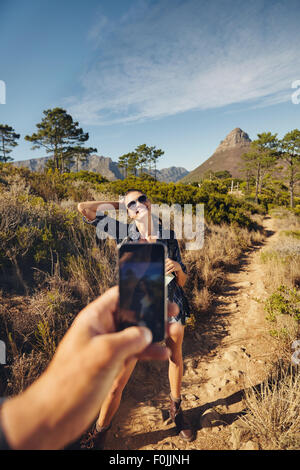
<point>51,265</point>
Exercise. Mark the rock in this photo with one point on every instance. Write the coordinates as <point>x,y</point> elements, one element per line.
<point>104,165</point>
<point>216,429</point>
<point>210,389</point>
<point>230,356</point>
<point>190,397</point>
<point>250,445</point>
<point>244,284</point>
<point>230,149</point>
<point>237,373</point>
<point>236,137</point>
<point>233,305</point>
<point>235,437</point>
<point>222,381</point>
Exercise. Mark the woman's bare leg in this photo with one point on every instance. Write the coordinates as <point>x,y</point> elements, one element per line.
<point>174,342</point>
<point>112,402</point>
<point>183,427</point>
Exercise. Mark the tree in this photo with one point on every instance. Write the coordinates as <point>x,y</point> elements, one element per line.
<point>223,174</point>
<point>123,164</point>
<point>58,134</point>
<point>290,152</point>
<point>77,154</point>
<point>128,162</point>
<point>143,156</point>
<point>261,158</point>
<point>132,163</point>
<point>155,154</point>
<point>8,140</point>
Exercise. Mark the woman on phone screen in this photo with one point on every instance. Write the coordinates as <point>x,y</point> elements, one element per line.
<point>144,228</point>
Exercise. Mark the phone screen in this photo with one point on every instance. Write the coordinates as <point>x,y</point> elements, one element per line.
<point>142,287</point>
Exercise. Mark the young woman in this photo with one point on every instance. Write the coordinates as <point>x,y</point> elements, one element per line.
<point>145,228</point>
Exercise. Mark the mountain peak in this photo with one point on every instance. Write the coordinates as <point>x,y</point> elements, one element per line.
<point>227,156</point>
<point>236,138</point>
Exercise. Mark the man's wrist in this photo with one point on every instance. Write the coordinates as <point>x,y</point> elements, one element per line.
<point>24,420</point>
<point>3,441</point>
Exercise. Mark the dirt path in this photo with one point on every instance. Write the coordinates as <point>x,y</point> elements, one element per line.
<point>230,351</point>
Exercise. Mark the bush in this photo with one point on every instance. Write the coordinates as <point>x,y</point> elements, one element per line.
<point>284,301</point>
<point>273,411</point>
<point>35,236</point>
<point>87,176</point>
<point>220,207</point>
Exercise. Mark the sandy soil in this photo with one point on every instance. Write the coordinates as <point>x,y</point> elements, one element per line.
<point>229,352</point>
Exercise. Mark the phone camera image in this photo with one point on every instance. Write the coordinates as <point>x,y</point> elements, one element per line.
<point>142,288</point>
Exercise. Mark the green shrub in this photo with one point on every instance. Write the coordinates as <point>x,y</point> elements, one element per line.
<point>220,207</point>
<point>284,301</point>
<point>88,176</point>
<point>34,236</point>
<point>291,233</point>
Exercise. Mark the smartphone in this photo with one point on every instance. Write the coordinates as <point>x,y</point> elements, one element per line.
<point>143,293</point>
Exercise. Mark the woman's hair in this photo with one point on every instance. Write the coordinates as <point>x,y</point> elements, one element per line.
<point>131,190</point>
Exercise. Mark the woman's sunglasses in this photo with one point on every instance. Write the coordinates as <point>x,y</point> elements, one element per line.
<point>132,204</point>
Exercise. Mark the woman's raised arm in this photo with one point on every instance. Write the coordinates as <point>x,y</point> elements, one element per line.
<point>89,208</point>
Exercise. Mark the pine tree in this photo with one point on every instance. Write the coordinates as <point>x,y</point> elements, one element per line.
<point>132,163</point>
<point>128,163</point>
<point>262,157</point>
<point>8,140</point>
<point>143,156</point>
<point>76,155</point>
<point>290,152</point>
<point>58,134</point>
<point>155,154</point>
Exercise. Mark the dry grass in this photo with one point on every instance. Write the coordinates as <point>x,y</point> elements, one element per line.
<point>282,261</point>
<point>76,270</point>
<point>223,246</point>
<point>33,324</point>
<point>274,411</point>
<point>284,218</point>
<point>39,300</point>
<point>282,274</point>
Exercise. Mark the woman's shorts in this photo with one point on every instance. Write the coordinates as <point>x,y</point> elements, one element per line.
<point>175,320</point>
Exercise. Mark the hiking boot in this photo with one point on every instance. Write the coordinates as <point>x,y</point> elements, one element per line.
<point>183,427</point>
<point>97,438</point>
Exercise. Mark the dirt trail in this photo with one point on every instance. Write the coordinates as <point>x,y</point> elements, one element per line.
<point>230,351</point>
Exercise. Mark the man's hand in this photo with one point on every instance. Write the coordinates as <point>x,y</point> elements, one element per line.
<point>64,401</point>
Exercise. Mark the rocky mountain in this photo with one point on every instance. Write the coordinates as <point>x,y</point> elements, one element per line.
<point>171,174</point>
<point>227,156</point>
<point>106,167</point>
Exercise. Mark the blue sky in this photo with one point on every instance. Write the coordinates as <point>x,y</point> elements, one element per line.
<point>178,74</point>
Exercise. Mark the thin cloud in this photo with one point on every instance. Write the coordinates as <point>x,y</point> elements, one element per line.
<point>165,58</point>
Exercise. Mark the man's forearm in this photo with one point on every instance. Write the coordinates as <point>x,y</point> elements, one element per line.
<point>25,420</point>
